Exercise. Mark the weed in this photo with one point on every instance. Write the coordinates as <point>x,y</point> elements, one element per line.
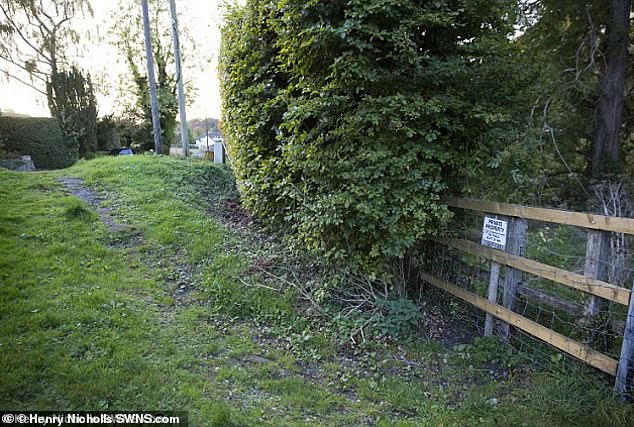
<point>220,416</point>
<point>77,209</point>
<point>486,350</point>
<point>398,317</point>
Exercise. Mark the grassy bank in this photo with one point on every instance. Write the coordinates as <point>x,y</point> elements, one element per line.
<point>145,297</point>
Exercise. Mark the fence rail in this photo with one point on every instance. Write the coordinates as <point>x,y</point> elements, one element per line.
<point>585,220</point>
<point>593,281</point>
<point>570,346</point>
<point>573,280</point>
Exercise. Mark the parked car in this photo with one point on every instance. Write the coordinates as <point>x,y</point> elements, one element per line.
<point>122,151</point>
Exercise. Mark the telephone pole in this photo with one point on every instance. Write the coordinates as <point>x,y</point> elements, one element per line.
<point>179,79</point>
<point>156,124</point>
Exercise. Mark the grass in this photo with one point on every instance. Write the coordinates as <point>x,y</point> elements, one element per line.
<point>158,314</point>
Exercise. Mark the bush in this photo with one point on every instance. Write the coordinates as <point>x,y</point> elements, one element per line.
<point>106,133</point>
<point>345,121</point>
<point>2,144</point>
<point>398,318</point>
<point>41,138</point>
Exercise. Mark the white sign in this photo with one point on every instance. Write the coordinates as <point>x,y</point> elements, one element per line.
<point>494,232</point>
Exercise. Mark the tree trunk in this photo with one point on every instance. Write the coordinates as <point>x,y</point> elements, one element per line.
<point>609,109</point>
<point>179,79</point>
<point>156,124</point>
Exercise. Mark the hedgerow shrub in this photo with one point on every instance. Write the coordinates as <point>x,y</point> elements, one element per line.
<point>41,138</point>
<point>346,120</point>
<point>2,143</point>
<point>106,133</point>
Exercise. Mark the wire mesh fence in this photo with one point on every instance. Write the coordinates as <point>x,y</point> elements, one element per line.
<point>573,282</point>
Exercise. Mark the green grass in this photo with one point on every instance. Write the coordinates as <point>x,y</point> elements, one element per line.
<point>93,318</point>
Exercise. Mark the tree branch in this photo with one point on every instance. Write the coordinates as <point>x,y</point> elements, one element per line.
<point>36,74</point>
<point>20,33</point>
<point>32,86</point>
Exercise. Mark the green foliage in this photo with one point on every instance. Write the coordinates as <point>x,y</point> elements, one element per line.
<point>71,100</point>
<point>221,416</point>
<point>129,40</point>
<point>191,141</point>
<point>560,246</point>
<point>487,350</point>
<point>2,143</point>
<point>201,126</point>
<point>398,318</point>
<point>126,132</point>
<point>97,324</point>
<point>565,43</point>
<point>346,120</point>
<point>548,78</point>
<point>77,209</point>
<point>95,311</point>
<point>36,38</point>
<point>41,138</point>
<point>106,132</point>
<point>168,108</point>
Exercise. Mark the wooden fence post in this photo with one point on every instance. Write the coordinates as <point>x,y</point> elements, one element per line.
<point>623,384</point>
<point>492,296</point>
<point>494,278</point>
<point>595,266</point>
<point>516,242</point>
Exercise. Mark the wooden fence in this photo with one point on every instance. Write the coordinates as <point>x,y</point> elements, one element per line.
<point>592,282</point>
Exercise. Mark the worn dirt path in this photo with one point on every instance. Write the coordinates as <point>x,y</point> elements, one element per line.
<point>75,186</point>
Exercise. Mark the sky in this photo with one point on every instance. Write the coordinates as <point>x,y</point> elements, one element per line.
<point>202,18</point>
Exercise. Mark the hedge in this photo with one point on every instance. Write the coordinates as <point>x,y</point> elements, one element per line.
<point>41,138</point>
<point>347,120</point>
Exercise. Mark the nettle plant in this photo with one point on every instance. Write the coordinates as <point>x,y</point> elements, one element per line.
<point>346,120</point>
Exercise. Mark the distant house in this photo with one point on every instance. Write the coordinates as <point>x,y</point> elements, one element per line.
<point>206,142</point>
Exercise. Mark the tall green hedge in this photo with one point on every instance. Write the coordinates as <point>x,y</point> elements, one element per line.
<point>2,143</point>
<point>41,138</point>
<point>346,120</point>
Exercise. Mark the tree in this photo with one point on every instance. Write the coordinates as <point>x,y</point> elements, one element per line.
<point>606,147</point>
<point>149,57</point>
<point>346,120</point>
<point>106,133</point>
<point>190,136</point>
<point>179,78</point>
<point>35,36</point>
<point>129,40</point>
<point>72,101</point>
<point>584,50</point>
<point>202,126</point>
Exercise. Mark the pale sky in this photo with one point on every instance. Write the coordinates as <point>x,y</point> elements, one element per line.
<point>203,19</point>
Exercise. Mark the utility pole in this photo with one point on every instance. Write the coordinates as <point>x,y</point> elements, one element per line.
<point>179,78</point>
<point>206,131</point>
<point>156,124</point>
